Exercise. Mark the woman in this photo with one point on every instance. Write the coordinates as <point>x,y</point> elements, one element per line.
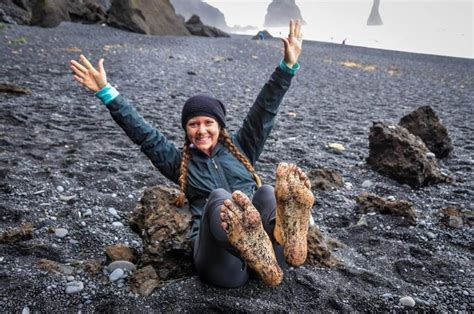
<point>230,233</point>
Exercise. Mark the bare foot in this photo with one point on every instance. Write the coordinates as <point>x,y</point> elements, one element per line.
<point>245,232</point>
<point>294,201</point>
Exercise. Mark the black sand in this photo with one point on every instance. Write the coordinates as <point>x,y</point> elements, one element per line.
<point>60,135</point>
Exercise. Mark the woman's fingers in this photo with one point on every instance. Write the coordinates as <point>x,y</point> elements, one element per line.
<point>77,71</point>
<point>298,29</point>
<point>100,66</point>
<point>86,63</point>
<point>79,79</point>
<point>292,29</point>
<point>79,66</point>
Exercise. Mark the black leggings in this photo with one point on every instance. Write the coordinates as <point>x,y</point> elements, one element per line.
<point>216,261</point>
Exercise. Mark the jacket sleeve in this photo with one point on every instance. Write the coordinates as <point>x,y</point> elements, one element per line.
<point>162,153</point>
<point>260,119</point>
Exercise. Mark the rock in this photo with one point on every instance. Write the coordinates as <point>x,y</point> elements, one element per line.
<point>266,35</point>
<point>61,232</point>
<point>424,123</point>
<point>348,185</point>
<point>144,281</point>
<point>367,184</point>
<point>50,13</point>
<point>121,252</point>
<point>14,89</point>
<point>400,155</point>
<point>92,267</point>
<point>320,249</point>
<point>117,224</point>
<point>362,221</point>
<point>26,310</point>
<point>368,202</point>
<point>116,274</point>
<point>164,228</point>
<point>60,189</point>
<point>336,147</point>
<point>69,199</point>
<point>14,12</point>
<point>22,233</point>
<point>208,14</point>
<point>197,28</point>
<point>431,235</point>
<point>151,17</point>
<point>325,179</point>
<point>407,301</point>
<point>74,287</point>
<point>87,213</point>
<point>52,266</point>
<point>374,17</point>
<point>279,12</point>
<point>113,212</point>
<point>430,155</point>
<point>124,265</point>
<point>455,222</point>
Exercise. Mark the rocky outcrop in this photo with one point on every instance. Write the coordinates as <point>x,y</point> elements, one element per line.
<point>402,156</point>
<point>279,12</point>
<point>208,14</point>
<point>163,228</point>
<point>368,202</point>
<point>424,123</point>
<point>146,17</point>
<point>16,11</point>
<point>266,35</point>
<point>197,28</point>
<point>325,179</point>
<point>374,17</point>
<point>320,249</point>
<point>50,13</point>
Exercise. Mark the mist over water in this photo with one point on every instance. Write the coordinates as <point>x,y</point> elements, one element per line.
<point>431,27</point>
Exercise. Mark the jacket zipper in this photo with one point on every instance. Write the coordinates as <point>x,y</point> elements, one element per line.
<point>221,177</point>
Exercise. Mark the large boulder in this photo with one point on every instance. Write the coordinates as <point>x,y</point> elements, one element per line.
<point>374,17</point>
<point>208,14</point>
<point>50,13</point>
<point>16,11</point>
<point>163,228</point>
<point>151,17</point>
<point>279,12</point>
<point>402,156</point>
<point>424,123</point>
<point>197,28</point>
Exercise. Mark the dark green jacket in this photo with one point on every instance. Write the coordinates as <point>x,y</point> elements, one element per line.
<point>222,169</point>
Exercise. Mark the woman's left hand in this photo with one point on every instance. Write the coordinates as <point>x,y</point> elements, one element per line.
<point>293,43</point>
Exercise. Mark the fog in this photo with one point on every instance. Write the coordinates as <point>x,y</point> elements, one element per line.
<point>431,27</point>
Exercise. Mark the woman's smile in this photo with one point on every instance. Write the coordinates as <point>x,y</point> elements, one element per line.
<point>203,133</point>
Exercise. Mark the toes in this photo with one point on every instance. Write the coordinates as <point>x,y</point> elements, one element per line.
<point>282,170</point>
<point>242,200</point>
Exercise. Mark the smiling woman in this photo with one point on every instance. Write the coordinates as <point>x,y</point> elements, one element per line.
<point>236,220</point>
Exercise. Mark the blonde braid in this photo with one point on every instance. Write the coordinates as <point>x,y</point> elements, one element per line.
<point>183,174</point>
<point>225,138</point>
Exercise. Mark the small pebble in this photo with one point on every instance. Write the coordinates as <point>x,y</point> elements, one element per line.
<point>26,310</point>
<point>117,224</point>
<point>391,198</point>
<point>367,183</point>
<point>387,295</point>
<point>72,241</point>
<point>362,221</point>
<point>113,212</point>
<point>430,155</point>
<point>61,232</point>
<point>116,275</point>
<point>74,287</point>
<point>70,278</point>
<point>60,189</point>
<point>407,301</point>
<point>430,235</point>
<point>83,223</point>
<point>87,213</point>
<point>124,265</point>
<point>348,185</point>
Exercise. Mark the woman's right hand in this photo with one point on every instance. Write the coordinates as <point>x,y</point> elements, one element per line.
<point>87,75</point>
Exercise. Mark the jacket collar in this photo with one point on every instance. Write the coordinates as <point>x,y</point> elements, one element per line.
<point>219,147</point>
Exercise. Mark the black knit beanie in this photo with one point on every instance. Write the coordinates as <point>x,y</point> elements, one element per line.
<point>203,105</point>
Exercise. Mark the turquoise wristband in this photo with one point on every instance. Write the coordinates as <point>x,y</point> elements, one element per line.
<point>287,69</point>
<point>107,94</point>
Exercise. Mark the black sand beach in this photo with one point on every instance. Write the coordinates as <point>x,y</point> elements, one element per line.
<point>60,141</point>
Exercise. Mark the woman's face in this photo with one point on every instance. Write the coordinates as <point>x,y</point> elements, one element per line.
<point>203,132</point>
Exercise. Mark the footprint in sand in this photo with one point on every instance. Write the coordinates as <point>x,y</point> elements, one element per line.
<point>294,201</point>
<point>245,232</point>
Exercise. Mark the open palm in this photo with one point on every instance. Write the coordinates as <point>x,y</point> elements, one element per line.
<point>293,43</point>
<point>92,78</point>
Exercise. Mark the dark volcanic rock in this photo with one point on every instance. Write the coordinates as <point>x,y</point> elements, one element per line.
<point>164,229</point>
<point>22,233</point>
<point>266,35</point>
<point>368,202</point>
<point>144,281</point>
<point>320,249</point>
<point>374,17</point>
<point>197,28</point>
<point>279,12</point>
<point>325,179</point>
<point>146,17</point>
<point>402,156</point>
<point>424,123</point>
<point>121,252</point>
<point>208,14</point>
<point>16,11</point>
<point>50,13</point>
